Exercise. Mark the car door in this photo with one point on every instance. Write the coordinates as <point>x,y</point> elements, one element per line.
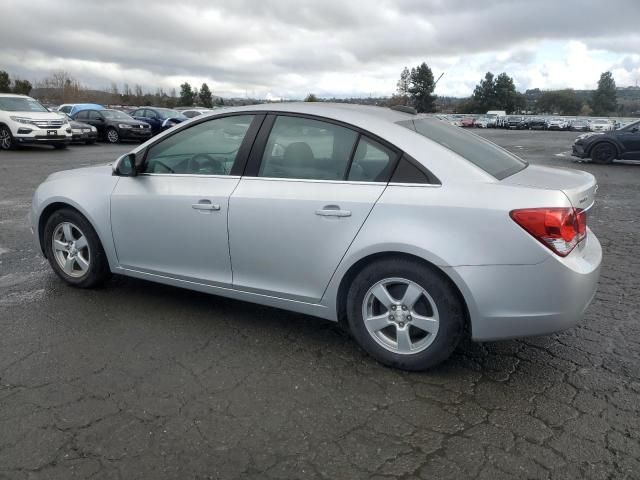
<point>630,139</point>
<point>95,119</point>
<point>171,219</point>
<point>306,193</point>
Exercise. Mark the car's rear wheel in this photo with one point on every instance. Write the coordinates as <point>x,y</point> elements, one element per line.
<point>6,138</point>
<point>113,136</point>
<point>603,152</point>
<point>74,250</point>
<point>404,314</point>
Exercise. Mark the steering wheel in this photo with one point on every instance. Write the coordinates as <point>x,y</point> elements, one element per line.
<point>213,166</point>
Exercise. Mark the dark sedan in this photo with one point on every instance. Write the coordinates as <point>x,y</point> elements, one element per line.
<point>537,123</point>
<point>114,125</point>
<point>82,132</point>
<point>160,119</point>
<point>515,123</point>
<point>605,147</point>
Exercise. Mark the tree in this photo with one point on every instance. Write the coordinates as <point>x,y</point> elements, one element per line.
<point>563,102</point>
<point>403,86</point>
<point>484,95</point>
<point>421,88</point>
<point>311,98</point>
<point>186,95</point>
<point>506,97</point>
<point>206,98</point>
<point>603,100</point>
<point>22,87</point>
<point>5,82</point>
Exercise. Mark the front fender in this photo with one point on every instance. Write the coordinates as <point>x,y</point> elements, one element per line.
<point>90,195</point>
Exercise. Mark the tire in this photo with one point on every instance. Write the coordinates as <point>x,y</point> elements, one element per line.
<point>6,139</point>
<point>603,153</point>
<point>60,146</point>
<point>394,336</point>
<point>86,266</point>
<point>113,136</point>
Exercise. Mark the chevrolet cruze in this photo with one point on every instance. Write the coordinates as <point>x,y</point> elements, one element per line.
<point>410,231</point>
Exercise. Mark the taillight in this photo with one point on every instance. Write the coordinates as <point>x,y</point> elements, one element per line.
<point>559,229</point>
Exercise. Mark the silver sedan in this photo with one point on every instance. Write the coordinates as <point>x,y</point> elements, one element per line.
<point>408,230</point>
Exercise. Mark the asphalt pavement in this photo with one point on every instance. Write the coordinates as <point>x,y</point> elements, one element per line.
<point>139,380</point>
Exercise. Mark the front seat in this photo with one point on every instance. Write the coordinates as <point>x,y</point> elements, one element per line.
<point>298,160</point>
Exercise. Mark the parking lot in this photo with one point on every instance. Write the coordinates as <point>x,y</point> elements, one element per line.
<point>142,380</point>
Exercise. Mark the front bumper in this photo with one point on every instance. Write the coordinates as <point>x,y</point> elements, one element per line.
<point>30,135</point>
<point>512,301</point>
<point>134,133</point>
<point>577,150</point>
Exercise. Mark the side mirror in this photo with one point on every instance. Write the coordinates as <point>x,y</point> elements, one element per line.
<point>125,166</point>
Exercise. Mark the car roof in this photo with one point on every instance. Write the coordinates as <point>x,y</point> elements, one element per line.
<point>15,95</point>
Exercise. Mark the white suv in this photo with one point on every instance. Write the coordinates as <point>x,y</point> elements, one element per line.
<point>24,121</point>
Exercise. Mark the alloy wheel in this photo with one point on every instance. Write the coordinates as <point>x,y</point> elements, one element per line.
<point>5,139</point>
<point>71,249</point>
<point>400,315</point>
<point>112,136</point>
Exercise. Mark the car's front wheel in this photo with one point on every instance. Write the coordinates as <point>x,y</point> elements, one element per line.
<point>113,136</point>
<point>603,152</point>
<point>404,314</point>
<point>6,138</point>
<point>74,250</point>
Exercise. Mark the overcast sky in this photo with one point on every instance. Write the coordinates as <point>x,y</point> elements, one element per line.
<point>287,48</point>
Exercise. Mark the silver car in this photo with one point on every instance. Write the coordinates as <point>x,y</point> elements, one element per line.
<point>410,231</point>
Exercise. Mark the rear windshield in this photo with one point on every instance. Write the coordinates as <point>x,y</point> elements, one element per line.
<point>482,153</point>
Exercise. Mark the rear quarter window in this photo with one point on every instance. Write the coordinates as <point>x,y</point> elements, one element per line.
<point>484,154</point>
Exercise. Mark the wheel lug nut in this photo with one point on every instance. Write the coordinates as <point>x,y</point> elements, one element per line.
<point>408,317</point>
<point>404,307</point>
<point>401,324</point>
<point>391,317</point>
<point>393,307</point>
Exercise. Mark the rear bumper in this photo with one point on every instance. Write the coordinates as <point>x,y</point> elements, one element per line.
<point>511,301</point>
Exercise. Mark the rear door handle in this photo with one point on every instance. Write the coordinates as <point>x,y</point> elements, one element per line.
<point>333,211</point>
<point>205,205</point>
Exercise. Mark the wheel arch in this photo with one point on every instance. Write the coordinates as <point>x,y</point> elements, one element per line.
<point>53,207</point>
<point>356,267</point>
<point>605,140</point>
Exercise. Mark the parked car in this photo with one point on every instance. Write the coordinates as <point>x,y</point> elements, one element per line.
<point>600,125</point>
<point>195,112</point>
<point>24,121</point>
<point>73,108</point>
<point>537,123</point>
<point>114,125</point>
<point>82,132</point>
<point>492,120</point>
<point>160,119</point>
<point>579,126</point>
<point>467,122</point>
<point>482,122</point>
<point>515,122</point>
<point>297,200</point>
<point>605,147</point>
<point>557,123</point>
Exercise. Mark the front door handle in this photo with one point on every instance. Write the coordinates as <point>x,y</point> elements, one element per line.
<point>205,205</point>
<point>333,211</point>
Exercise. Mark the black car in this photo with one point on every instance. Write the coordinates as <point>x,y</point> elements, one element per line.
<point>579,126</point>
<point>160,119</point>
<point>82,132</point>
<point>537,123</point>
<point>114,125</point>
<point>605,147</point>
<point>515,123</point>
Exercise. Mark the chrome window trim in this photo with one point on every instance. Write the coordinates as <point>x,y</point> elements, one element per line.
<point>186,175</point>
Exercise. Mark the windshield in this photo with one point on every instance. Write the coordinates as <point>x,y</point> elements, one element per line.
<point>115,115</point>
<point>168,113</point>
<point>482,153</point>
<point>20,104</point>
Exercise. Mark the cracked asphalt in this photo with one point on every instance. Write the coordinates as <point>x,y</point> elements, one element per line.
<point>138,380</point>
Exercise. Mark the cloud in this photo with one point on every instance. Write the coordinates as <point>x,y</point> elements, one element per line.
<point>280,48</point>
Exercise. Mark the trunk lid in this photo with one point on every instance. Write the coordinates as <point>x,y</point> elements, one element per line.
<point>580,187</point>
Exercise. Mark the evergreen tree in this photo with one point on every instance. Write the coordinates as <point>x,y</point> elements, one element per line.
<point>603,100</point>
<point>421,89</point>
<point>186,95</point>
<point>5,82</point>
<point>22,87</point>
<point>206,98</point>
